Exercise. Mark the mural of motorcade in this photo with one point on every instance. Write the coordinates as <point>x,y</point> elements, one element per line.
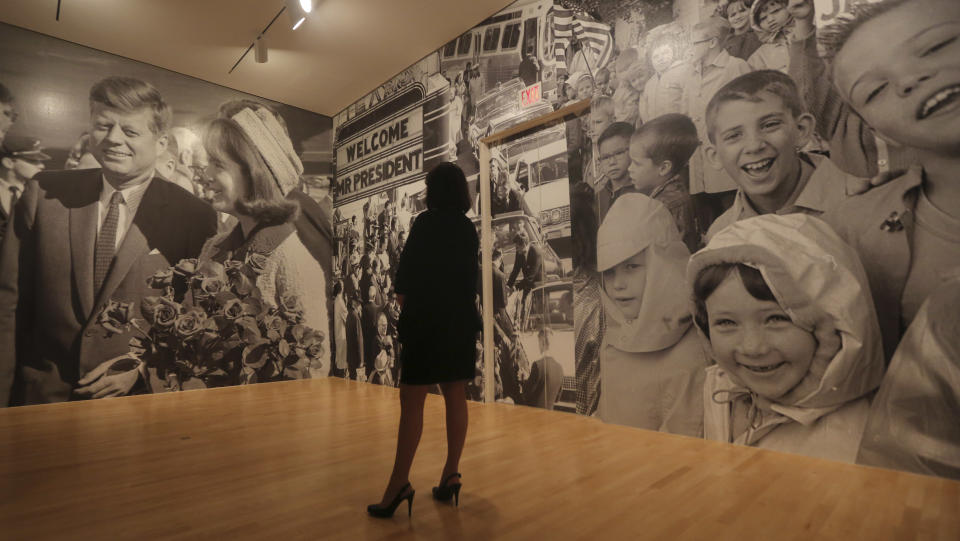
<point>550,305</point>
<point>505,228</point>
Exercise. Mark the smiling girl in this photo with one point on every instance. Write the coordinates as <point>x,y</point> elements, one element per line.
<point>785,311</point>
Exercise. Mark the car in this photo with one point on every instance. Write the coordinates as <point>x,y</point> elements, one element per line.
<point>550,305</point>
<point>506,226</point>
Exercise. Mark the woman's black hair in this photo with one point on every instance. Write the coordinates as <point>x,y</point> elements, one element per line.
<point>710,279</point>
<point>447,188</point>
<point>337,287</point>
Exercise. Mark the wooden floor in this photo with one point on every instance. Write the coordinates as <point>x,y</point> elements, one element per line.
<point>300,460</point>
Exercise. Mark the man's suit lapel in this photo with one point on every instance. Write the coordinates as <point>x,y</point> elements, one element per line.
<point>83,236</point>
<point>135,244</point>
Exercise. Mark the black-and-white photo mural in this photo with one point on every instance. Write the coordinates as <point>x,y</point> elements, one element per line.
<point>751,236</point>
<point>160,233</point>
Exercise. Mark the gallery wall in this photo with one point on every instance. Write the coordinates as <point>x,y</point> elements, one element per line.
<point>605,325</point>
<point>160,323</point>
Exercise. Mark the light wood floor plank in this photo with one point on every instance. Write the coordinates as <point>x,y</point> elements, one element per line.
<point>300,460</point>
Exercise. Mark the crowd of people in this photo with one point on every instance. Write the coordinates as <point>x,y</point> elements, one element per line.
<point>366,310</point>
<point>812,176</point>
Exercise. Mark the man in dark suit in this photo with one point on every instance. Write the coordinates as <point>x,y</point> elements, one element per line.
<point>530,261</point>
<point>21,159</point>
<point>371,311</point>
<point>82,238</point>
<point>546,376</point>
<point>355,341</point>
<point>352,284</point>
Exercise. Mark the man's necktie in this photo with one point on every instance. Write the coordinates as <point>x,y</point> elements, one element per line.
<point>14,197</point>
<point>106,242</point>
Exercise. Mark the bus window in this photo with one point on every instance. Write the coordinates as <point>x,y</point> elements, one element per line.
<point>530,36</point>
<point>511,36</point>
<point>450,48</point>
<point>464,45</point>
<point>490,38</point>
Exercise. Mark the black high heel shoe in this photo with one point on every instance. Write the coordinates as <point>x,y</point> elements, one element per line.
<point>448,490</point>
<point>386,511</point>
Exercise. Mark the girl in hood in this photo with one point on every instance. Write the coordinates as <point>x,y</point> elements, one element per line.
<point>651,363</point>
<point>785,310</point>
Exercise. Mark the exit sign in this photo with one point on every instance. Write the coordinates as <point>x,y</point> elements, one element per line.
<point>530,95</point>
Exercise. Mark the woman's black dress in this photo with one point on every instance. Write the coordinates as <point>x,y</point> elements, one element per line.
<point>437,274</point>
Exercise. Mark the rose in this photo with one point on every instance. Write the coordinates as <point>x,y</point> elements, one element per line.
<point>232,267</point>
<point>160,312</point>
<point>116,317</point>
<point>312,344</point>
<point>273,323</point>
<point>161,279</point>
<point>257,262</point>
<point>189,324</point>
<point>291,308</point>
<point>210,286</point>
<point>186,267</point>
<point>232,309</point>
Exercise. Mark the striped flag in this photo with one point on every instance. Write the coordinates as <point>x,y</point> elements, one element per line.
<point>562,33</point>
<point>591,35</point>
<point>597,37</point>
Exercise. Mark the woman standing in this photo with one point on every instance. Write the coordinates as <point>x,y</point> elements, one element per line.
<point>252,166</point>
<point>436,285</point>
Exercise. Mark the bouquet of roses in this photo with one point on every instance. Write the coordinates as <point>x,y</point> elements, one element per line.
<point>209,326</point>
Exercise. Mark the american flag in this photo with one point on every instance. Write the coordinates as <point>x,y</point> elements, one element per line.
<point>591,34</point>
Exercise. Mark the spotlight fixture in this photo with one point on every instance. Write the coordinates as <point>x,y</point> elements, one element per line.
<point>260,50</point>
<point>298,11</point>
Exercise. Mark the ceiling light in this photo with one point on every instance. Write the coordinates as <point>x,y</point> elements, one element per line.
<point>298,10</point>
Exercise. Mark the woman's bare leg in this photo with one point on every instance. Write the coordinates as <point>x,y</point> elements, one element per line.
<point>408,437</point>
<point>455,400</point>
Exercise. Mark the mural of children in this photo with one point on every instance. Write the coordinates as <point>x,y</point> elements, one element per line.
<point>626,96</point>
<point>757,124</point>
<point>613,153</point>
<point>712,67</point>
<point>743,42</point>
<point>898,65</point>
<point>651,360</point>
<point>659,152</point>
<point>663,92</point>
<point>601,116</point>
<point>785,309</point>
<point>913,419</point>
<point>771,21</point>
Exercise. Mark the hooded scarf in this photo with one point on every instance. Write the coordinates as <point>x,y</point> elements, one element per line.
<point>820,283</point>
<point>636,223</point>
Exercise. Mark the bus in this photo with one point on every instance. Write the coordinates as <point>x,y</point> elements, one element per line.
<point>498,43</point>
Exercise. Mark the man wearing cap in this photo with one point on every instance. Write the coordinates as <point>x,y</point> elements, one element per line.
<point>79,239</point>
<point>21,158</point>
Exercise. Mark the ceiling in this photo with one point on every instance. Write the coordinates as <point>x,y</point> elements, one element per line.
<point>344,50</point>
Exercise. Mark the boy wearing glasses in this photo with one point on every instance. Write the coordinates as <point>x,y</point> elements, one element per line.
<point>613,157</point>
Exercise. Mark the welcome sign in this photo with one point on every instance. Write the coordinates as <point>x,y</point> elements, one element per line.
<point>390,150</point>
